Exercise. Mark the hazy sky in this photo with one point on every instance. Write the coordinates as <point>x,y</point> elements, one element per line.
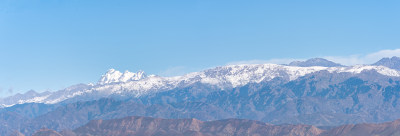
<point>52,44</point>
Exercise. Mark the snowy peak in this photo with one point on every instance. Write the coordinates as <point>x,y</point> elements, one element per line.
<point>114,76</point>
<point>130,76</point>
<point>315,62</point>
<point>393,63</point>
<point>111,76</point>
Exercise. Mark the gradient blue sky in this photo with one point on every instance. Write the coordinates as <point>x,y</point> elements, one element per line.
<point>52,44</point>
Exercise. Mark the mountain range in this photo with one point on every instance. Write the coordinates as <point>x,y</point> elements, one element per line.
<point>225,77</point>
<point>315,92</point>
<point>135,125</point>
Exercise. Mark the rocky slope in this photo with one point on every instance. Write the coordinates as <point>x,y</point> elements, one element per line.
<point>382,129</point>
<point>146,126</point>
<point>393,63</point>
<point>46,132</point>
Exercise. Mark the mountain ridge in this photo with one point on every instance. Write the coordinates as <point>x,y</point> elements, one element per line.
<point>266,92</point>
<point>224,77</point>
<point>315,62</point>
<point>312,99</point>
<point>138,125</point>
<point>393,62</point>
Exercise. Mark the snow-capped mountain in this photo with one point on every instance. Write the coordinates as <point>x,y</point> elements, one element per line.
<point>114,82</point>
<point>315,62</point>
<point>114,76</point>
<point>393,62</point>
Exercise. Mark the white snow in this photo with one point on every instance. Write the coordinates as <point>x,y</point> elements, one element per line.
<point>114,76</point>
<point>359,68</point>
<point>39,99</point>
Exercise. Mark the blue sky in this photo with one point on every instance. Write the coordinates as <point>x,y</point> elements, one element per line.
<point>52,44</point>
